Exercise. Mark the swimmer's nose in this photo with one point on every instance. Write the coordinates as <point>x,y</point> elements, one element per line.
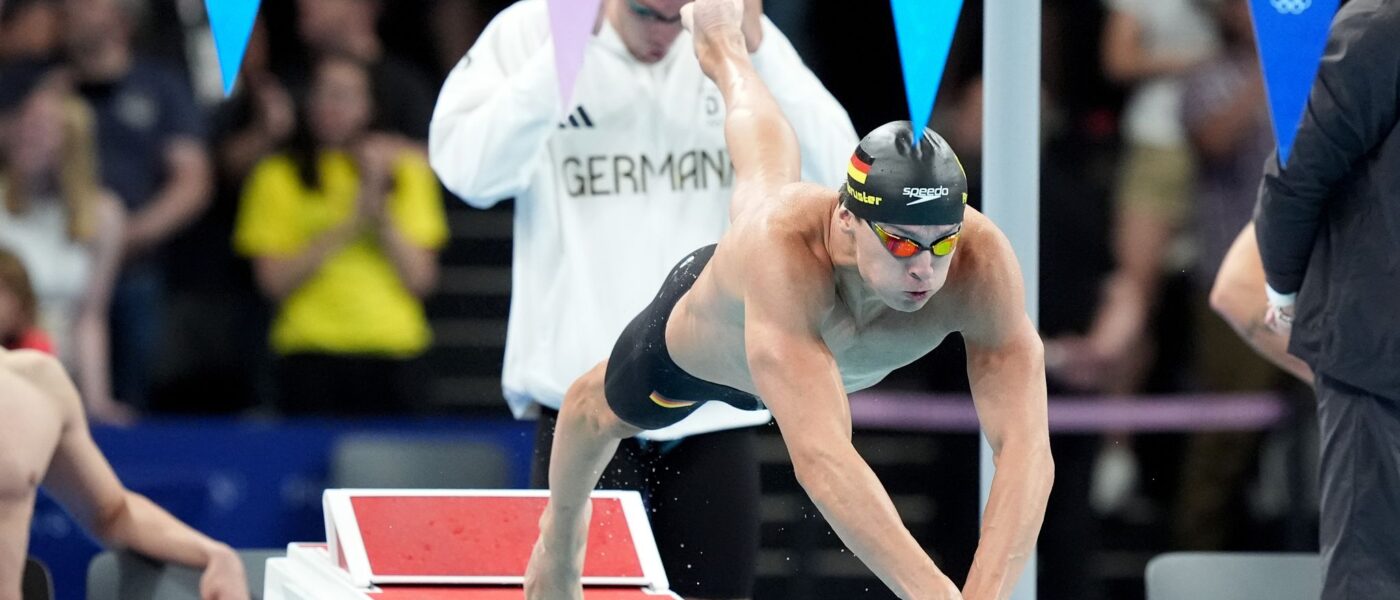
<point>921,267</point>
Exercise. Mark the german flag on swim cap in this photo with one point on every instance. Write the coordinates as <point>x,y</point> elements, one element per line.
<point>899,177</point>
<point>859,168</point>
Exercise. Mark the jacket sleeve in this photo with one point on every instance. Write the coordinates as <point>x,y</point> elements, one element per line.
<point>497,110</point>
<point>1351,107</point>
<point>823,128</point>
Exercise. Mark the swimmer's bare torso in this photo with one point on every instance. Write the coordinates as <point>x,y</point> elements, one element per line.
<point>33,425</point>
<point>38,421</point>
<point>866,338</point>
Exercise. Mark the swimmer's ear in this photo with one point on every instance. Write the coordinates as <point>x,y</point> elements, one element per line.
<point>847,218</point>
<point>688,17</point>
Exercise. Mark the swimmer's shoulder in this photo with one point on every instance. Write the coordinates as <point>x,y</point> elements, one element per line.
<point>803,195</point>
<point>980,231</point>
<point>46,373</point>
<point>985,272</point>
<point>783,239</point>
<point>800,209</point>
<point>795,215</point>
<point>26,362</point>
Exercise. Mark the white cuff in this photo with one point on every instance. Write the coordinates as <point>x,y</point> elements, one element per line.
<point>1280,300</point>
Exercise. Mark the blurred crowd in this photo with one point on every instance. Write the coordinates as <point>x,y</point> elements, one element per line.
<point>190,253</point>
<point>272,251</point>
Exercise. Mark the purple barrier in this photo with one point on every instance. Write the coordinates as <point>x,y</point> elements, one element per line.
<point>897,411</point>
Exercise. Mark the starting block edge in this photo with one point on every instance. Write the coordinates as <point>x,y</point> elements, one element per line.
<point>314,559</point>
<point>644,540</point>
<point>343,535</point>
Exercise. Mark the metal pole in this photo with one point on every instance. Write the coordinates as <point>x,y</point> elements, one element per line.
<point>1011,164</point>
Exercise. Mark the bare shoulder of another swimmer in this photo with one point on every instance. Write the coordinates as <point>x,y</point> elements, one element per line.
<point>47,374</point>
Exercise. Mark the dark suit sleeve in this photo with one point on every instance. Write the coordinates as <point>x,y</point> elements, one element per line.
<point>1350,109</point>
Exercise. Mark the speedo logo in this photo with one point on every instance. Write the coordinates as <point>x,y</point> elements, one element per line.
<point>863,197</point>
<point>925,194</point>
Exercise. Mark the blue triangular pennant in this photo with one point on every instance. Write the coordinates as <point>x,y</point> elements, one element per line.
<point>924,31</point>
<point>232,23</point>
<point>1291,35</point>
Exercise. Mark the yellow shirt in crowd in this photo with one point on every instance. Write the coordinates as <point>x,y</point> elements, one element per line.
<point>355,303</point>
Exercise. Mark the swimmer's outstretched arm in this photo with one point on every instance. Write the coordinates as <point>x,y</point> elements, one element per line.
<point>788,294</point>
<point>1238,297</point>
<point>80,478</point>
<point>761,142</point>
<point>1006,366</point>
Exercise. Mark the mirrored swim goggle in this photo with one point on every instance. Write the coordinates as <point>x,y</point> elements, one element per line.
<point>902,247</point>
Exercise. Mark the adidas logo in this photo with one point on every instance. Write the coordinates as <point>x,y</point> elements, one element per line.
<point>578,119</point>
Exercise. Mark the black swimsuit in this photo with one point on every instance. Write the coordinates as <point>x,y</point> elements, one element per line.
<point>643,385</point>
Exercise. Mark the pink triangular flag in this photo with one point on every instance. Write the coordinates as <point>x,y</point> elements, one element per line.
<point>571,22</point>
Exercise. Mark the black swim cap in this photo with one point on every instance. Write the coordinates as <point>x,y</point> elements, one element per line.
<point>902,178</point>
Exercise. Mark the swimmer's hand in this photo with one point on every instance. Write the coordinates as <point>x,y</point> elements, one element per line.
<point>717,26</point>
<point>555,570</point>
<point>223,577</point>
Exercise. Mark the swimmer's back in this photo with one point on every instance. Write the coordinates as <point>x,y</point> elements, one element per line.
<point>789,223</point>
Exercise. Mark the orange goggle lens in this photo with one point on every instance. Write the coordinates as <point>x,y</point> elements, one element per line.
<point>902,247</point>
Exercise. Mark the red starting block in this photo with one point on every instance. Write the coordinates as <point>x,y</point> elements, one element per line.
<point>460,545</point>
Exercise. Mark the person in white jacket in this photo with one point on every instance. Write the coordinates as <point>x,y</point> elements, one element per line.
<point>609,194</point>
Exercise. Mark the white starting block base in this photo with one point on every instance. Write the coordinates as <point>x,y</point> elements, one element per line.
<point>460,544</point>
<point>309,573</point>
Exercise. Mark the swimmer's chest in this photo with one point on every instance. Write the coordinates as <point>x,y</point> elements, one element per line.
<point>713,342</point>
<point>867,353</point>
<point>713,348</point>
<point>38,417</point>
